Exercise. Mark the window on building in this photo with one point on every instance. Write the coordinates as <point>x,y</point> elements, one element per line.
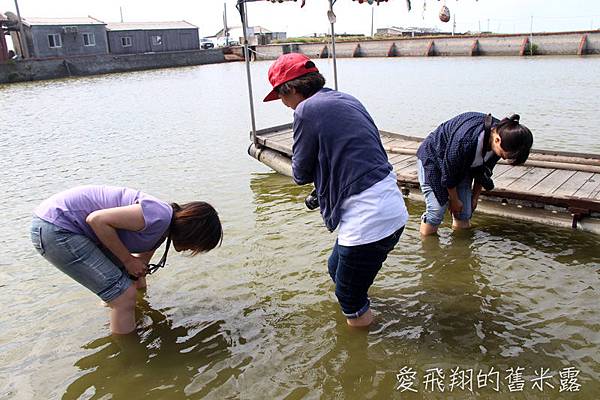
<point>54,40</point>
<point>126,41</point>
<point>157,40</point>
<point>89,39</point>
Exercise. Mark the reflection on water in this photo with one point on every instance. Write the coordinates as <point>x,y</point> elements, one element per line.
<point>163,360</point>
<point>257,318</point>
<point>493,297</point>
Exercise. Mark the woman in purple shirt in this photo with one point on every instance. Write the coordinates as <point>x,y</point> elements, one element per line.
<point>104,237</point>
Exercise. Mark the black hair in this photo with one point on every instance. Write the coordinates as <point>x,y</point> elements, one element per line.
<point>516,139</point>
<point>196,225</point>
<point>306,85</point>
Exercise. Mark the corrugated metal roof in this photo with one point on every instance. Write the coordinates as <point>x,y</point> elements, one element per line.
<point>135,26</point>
<point>62,21</point>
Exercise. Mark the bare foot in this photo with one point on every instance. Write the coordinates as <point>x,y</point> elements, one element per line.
<point>361,322</point>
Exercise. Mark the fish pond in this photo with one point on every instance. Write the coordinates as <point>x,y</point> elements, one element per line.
<point>507,310</point>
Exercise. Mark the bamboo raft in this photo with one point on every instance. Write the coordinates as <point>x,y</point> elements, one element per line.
<point>552,187</point>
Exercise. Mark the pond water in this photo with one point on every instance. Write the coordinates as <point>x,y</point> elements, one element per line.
<point>257,317</point>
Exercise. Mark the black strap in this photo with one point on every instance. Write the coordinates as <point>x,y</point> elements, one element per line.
<point>152,268</point>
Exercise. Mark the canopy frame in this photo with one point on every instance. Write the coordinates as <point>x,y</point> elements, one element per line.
<point>241,6</point>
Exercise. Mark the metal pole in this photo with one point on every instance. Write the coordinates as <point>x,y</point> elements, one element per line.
<point>372,19</point>
<point>22,39</point>
<point>225,32</point>
<point>121,11</point>
<point>453,24</point>
<point>331,16</point>
<point>247,57</point>
<point>531,38</point>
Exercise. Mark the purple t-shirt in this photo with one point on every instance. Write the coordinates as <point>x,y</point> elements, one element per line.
<point>70,208</point>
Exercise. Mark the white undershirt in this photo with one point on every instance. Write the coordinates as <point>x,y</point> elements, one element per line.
<point>478,161</point>
<point>373,214</point>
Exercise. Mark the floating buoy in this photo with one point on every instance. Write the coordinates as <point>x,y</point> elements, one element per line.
<point>444,14</point>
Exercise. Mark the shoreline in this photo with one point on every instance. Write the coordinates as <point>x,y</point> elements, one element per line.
<point>575,44</point>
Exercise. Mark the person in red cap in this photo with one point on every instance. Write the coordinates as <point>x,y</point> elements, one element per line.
<point>338,148</point>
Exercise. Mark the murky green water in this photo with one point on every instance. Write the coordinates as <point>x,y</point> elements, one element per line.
<point>257,318</point>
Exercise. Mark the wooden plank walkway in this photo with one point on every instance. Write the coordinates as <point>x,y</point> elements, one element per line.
<point>565,180</point>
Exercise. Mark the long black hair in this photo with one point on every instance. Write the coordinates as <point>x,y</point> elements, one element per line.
<point>516,139</point>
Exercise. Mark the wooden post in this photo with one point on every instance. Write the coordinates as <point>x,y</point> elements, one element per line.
<point>524,47</point>
<point>582,50</point>
<point>357,51</point>
<point>392,51</point>
<point>429,51</point>
<point>22,38</point>
<point>3,47</point>
<point>324,52</point>
<point>475,48</point>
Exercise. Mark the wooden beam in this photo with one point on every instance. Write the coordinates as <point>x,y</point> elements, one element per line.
<point>523,49</point>
<point>393,51</point>
<point>582,50</point>
<point>430,51</point>
<point>475,48</point>
<point>324,52</point>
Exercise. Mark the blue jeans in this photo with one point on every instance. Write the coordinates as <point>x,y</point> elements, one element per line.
<point>434,211</point>
<point>80,258</point>
<point>353,269</point>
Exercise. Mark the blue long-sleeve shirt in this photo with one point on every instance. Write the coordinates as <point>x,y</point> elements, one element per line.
<point>336,146</point>
<point>448,152</point>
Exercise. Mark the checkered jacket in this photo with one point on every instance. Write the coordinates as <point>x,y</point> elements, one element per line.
<point>448,152</point>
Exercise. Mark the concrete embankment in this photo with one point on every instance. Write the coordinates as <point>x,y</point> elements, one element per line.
<point>33,70</point>
<point>561,43</point>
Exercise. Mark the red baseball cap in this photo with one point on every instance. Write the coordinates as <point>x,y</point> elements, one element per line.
<point>287,67</point>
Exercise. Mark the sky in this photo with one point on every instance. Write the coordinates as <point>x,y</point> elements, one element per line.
<point>505,16</point>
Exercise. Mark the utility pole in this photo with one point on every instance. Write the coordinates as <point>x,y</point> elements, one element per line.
<point>22,40</point>
<point>531,37</point>
<point>372,19</point>
<point>121,11</point>
<point>488,29</point>
<point>453,23</point>
<point>225,32</point>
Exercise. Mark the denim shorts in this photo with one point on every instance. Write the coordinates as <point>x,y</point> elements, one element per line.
<point>80,258</point>
<point>353,269</point>
<point>434,211</point>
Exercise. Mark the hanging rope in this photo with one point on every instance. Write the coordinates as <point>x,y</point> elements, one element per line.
<point>250,49</point>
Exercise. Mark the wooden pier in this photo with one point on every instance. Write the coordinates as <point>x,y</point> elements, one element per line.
<point>552,187</point>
